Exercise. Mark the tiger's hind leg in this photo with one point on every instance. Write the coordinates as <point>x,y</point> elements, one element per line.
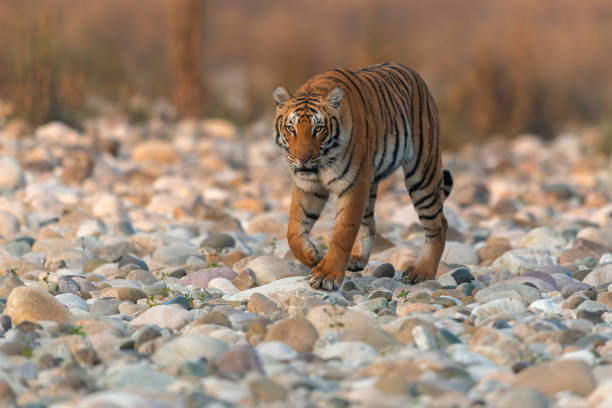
<point>429,205</point>
<point>365,236</point>
<point>305,210</point>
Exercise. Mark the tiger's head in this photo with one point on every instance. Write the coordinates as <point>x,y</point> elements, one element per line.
<point>307,128</point>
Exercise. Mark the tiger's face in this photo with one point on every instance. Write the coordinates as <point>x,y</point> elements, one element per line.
<point>307,128</point>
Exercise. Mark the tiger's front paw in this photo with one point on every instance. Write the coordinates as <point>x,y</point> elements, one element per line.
<point>305,251</point>
<point>418,273</point>
<point>325,277</point>
<point>357,263</point>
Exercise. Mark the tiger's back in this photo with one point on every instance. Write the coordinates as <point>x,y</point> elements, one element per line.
<point>384,118</point>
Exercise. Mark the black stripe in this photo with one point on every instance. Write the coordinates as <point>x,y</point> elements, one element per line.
<point>382,113</point>
<point>431,217</point>
<point>386,116</point>
<point>402,107</point>
<point>430,204</point>
<point>411,172</point>
<point>423,199</point>
<point>346,168</point>
<point>351,184</point>
<point>432,159</point>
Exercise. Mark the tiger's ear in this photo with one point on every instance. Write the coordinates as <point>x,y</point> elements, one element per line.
<point>281,96</point>
<point>334,97</point>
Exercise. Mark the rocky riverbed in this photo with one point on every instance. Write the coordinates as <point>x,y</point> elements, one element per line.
<point>146,266</point>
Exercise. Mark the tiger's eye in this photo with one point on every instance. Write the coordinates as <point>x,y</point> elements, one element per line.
<point>290,129</point>
<point>318,129</point>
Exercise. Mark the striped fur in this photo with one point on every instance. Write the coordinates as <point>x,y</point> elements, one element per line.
<point>343,131</point>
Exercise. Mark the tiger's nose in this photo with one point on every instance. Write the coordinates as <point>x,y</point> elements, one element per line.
<point>303,158</point>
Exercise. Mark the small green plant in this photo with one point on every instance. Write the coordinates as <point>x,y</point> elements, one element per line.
<point>166,291</point>
<point>211,253</point>
<point>403,295</point>
<point>152,302</point>
<point>189,297</point>
<point>335,315</point>
<point>202,296</point>
<point>78,330</point>
<point>27,346</point>
<point>272,245</point>
<point>46,280</point>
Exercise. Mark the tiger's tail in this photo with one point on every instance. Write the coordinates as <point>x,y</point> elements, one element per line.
<point>447,183</point>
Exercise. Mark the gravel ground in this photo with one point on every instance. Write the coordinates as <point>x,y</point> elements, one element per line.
<point>148,266</point>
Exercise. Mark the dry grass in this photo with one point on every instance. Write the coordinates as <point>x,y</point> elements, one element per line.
<point>494,66</point>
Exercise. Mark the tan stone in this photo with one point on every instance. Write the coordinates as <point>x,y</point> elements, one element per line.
<point>401,328</point>
<point>491,252</point>
<point>232,257</point>
<point>296,332</point>
<point>157,151</point>
<point>405,308</point>
<point>273,224</point>
<point>28,303</point>
<point>373,336</point>
<point>606,299</point>
<point>244,280</point>
<point>332,317</point>
<point>563,375</point>
<point>124,293</point>
<point>254,205</point>
<point>260,304</point>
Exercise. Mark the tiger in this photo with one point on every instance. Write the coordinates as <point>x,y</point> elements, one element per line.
<point>342,133</point>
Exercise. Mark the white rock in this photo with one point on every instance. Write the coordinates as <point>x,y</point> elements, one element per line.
<point>71,300</point>
<point>544,306</point>
<point>269,268</point>
<point>543,236</point>
<point>229,336</point>
<point>188,347</point>
<point>462,354</point>
<point>517,265</point>
<point>584,355</point>
<point>275,350</point>
<point>224,285</point>
<point>282,288</point>
<point>115,399</point>
<point>169,317</point>
<point>91,228</point>
<point>459,253</point>
<point>499,306</point>
<point>423,338</point>
<point>109,207</point>
<point>605,259</point>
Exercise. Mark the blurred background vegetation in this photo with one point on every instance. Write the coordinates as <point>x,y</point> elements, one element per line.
<point>494,67</point>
